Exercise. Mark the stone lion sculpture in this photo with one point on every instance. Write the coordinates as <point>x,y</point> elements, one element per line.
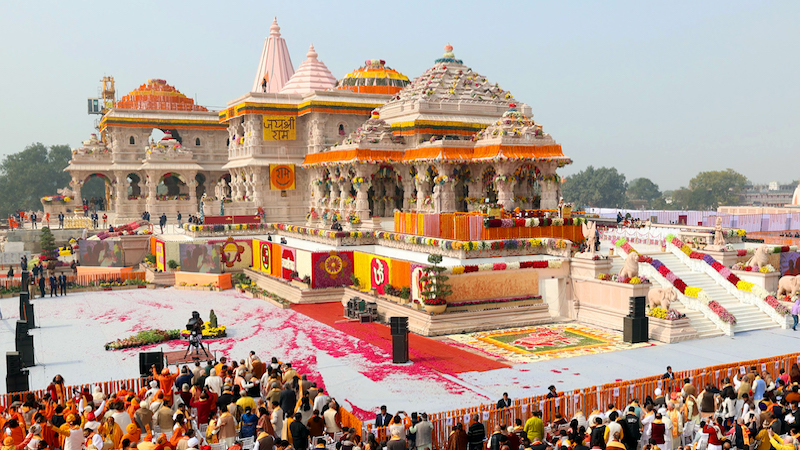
<point>661,297</point>
<point>760,257</point>
<point>788,285</point>
<point>631,267</point>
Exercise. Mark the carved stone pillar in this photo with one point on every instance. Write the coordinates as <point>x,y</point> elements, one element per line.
<point>344,195</point>
<point>447,192</point>
<point>549,185</point>
<point>504,184</point>
<point>335,196</point>
<point>152,184</point>
<point>120,190</point>
<point>408,190</point>
<point>257,182</point>
<point>192,184</point>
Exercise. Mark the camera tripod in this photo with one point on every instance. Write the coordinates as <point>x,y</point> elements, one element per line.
<point>195,341</point>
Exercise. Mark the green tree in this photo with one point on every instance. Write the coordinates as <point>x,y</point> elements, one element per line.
<point>29,175</point>
<point>47,241</point>
<point>643,190</point>
<point>601,187</point>
<point>714,188</point>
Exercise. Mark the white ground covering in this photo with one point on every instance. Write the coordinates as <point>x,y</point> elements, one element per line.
<point>74,329</point>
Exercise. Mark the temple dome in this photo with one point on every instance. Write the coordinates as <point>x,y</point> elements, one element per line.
<point>156,94</point>
<point>450,80</point>
<point>312,75</point>
<point>374,78</point>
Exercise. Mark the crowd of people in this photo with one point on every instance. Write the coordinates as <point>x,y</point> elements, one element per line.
<point>749,411</point>
<point>270,406</point>
<point>230,404</point>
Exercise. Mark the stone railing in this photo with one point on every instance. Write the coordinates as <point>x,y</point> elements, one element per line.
<point>748,298</point>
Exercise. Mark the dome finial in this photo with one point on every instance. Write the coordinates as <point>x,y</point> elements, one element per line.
<point>312,54</point>
<point>448,51</point>
<point>274,29</point>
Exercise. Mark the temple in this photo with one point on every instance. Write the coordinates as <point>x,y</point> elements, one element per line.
<point>301,144</point>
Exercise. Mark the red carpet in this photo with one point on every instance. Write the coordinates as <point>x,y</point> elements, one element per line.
<point>434,354</point>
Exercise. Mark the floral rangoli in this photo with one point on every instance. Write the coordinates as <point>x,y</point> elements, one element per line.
<point>540,343</point>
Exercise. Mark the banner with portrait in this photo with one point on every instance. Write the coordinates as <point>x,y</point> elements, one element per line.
<point>106,253</point>
<point>200,258</point>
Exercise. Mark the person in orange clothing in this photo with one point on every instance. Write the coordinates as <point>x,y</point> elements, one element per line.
<point>163,444</point>
<point>166,381</point>
<point>14,431</point>
<point>111,431</point>
<point>178,430</point>
<point>132,433</point>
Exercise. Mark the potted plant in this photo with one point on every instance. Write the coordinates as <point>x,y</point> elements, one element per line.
<point>434,286</point>
<point>172,264</point>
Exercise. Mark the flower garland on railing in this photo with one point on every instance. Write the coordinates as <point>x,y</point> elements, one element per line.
<point>726,273</point>
<point>776,249</point>
<point>531,222</point>
<point>493,301</point>
<point>661,313</point>
<point>226,227</point>
<point>625,280</point>
<point>510,244</point>
<point>679,284</point>
<point>733,232</point>
<point>741,266</point>
<point>551,264</point>
<point>319,233</point>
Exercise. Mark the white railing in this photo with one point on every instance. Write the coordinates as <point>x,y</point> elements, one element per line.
<point>748,298</point>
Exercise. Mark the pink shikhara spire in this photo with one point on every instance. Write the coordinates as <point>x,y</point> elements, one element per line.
<point>312,75</point>
<point>275,65</point>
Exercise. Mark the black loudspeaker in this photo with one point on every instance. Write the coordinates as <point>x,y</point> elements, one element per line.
<point>147,359</point>
<point>17,382</point>
<point>635,329</point>
<point>30,316</point>
<point>24,299</point>
<point>25,279</point>
<point>13,363</point>
<point>398,325</point>
<point>400,348</point>
<point>22,329</point>
<point>636,307</point>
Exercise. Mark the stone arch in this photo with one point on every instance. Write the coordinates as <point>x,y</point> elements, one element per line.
<point>131,140</point>
<point>461,175</point>
<point>134,190</point>
<point>172,186</point>
<point>487,180</point>
<point>197,142</point>
<point>201,185</point>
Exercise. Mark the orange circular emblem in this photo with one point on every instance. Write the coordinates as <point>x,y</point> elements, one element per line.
<point>282,176</point>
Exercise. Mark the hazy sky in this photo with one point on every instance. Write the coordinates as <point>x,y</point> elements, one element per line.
<point>656,89</point>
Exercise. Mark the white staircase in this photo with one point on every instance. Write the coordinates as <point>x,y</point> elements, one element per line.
<point>705,328</point>
<point>748,317</point>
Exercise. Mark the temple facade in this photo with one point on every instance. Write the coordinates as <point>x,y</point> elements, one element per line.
<point>302,145</point>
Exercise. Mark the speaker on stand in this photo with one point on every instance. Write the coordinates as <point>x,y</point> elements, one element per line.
<point>24,344</point>
<point>147,359</point>
<point>635,326</point>
<point>16,377</point>
<point>399,330</point>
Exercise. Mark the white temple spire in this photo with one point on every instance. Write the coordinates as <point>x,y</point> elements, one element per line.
<point>275,67</point>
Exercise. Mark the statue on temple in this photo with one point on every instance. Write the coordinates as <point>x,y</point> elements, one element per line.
<point>719,234</point>
<point>592,240</point>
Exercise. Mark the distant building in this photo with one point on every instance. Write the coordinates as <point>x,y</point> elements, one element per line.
<point>772,194</point>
